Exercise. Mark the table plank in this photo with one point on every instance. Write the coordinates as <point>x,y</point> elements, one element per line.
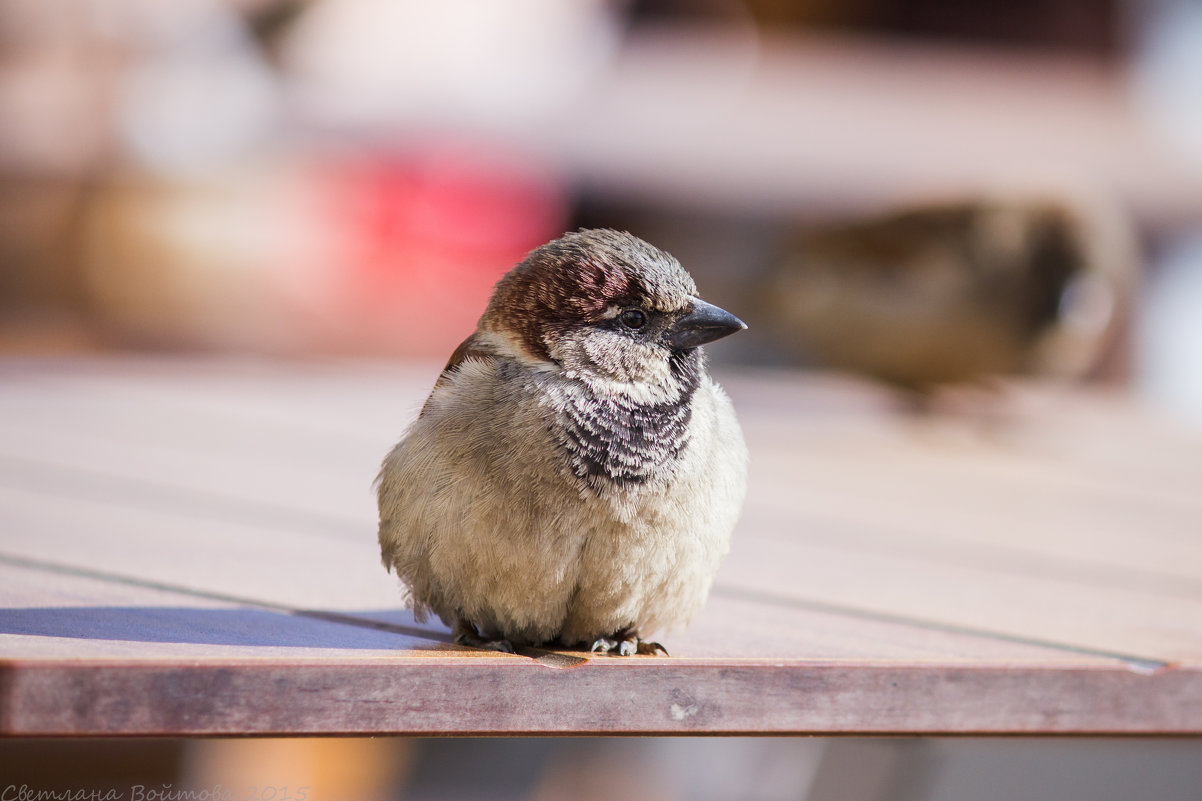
<point>328,487</point>
<point>211,525</point>
<point>636,696</point>
<point>226,562</point>
<point>796,480</point>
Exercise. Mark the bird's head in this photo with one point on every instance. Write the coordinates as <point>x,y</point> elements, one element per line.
<point>606,306</point>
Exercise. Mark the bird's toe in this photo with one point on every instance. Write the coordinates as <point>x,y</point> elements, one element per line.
<point>650,648</point>
<point>603,645</point>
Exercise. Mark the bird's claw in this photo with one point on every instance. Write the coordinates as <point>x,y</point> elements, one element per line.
<point>650,648</point>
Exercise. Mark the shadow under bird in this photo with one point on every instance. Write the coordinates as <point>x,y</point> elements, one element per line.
<point>574,476</point>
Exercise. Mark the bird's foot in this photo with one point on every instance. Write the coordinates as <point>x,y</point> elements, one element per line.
<point>464,633</point>
<point>627,644</point>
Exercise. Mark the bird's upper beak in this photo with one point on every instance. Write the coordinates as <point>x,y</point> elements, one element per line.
<point>705,323</point>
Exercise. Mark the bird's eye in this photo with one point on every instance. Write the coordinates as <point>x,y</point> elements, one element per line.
<point>633,318</point>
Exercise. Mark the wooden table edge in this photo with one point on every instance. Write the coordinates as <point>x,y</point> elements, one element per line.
<point>496,695</point>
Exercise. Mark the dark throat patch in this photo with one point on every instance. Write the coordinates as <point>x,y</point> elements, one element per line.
<point>616,441</point>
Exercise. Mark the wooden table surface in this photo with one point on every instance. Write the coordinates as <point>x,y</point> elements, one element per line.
<point>188,547</point>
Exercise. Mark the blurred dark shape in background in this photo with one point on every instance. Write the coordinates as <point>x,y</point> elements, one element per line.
<point>955,292</point>
<point>1090,27</point>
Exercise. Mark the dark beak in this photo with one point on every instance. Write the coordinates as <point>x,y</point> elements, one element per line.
<point>705,323</point>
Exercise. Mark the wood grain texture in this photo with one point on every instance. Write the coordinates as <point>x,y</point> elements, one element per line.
<point>643,696</point>
<point>188,547</point>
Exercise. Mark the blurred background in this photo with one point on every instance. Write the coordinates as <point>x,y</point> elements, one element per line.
<point>592,769</point>
<point>929,193</point>
<point>922,191</point>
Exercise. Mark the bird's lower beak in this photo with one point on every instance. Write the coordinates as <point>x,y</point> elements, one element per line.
<point>705,323</point>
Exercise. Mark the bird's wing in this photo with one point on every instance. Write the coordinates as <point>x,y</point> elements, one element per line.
<point>469,348</point>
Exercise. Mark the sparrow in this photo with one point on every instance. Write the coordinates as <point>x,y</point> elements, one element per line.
<point>939,294</point>
<point>575,474</point>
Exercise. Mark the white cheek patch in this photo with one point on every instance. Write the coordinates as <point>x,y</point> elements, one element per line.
<point>613,364</point>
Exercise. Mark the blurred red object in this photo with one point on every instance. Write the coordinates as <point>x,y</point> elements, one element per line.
<point>349,254</point>
<point>428,236</point>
